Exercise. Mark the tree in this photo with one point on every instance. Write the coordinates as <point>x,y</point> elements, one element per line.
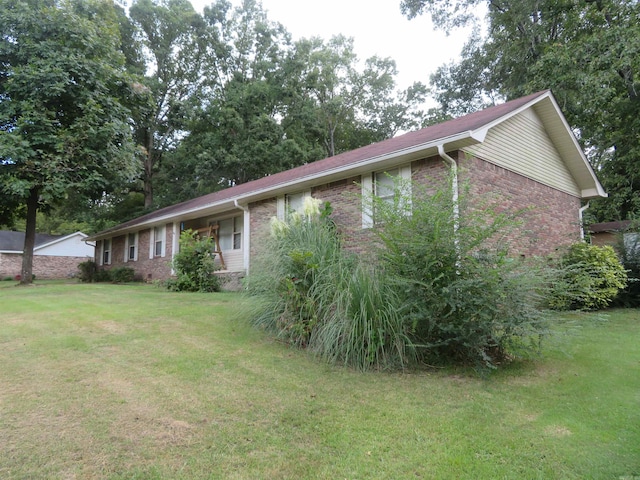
<point>171,34</point>
<point>235,134</point>
<point>343,106</point>
<point>586,51</point>
<point>63,127</point>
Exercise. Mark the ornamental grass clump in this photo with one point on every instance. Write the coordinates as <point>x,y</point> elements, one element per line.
<point>434,288</point>
<point>313,294</point>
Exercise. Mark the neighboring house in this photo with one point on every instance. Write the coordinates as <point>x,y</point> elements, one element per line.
<point>610,233</point>
<point>522,153</point>
<point>54,256</point>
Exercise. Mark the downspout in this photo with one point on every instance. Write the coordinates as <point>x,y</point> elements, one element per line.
<point>580,213</point>
<point>454,186</point>
<point>246,240</point>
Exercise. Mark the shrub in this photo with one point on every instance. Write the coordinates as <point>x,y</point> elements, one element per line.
<point>589,277</point>
<point>315,295</point>
<point>194,265</point>
<point>122,274</point>
<point>88,271</point>
<point>465,299</point>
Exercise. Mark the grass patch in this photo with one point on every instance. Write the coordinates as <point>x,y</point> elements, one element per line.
<point>114,382</point>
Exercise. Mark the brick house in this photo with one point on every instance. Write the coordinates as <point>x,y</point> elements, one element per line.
<point>54,256</point>
<point>522,152</point>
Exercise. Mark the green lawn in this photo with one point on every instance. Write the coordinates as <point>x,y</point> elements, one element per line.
<point>107,381</point>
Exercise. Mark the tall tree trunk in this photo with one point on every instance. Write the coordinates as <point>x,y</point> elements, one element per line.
<point>26,277</point>
<point>148,170</point>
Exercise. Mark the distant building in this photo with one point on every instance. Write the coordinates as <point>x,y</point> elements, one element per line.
<point>54,256</point>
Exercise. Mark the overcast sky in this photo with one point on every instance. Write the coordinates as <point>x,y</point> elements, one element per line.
<point>378,28</point>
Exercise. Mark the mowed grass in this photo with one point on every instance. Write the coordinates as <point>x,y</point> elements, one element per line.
<point>120,382</point>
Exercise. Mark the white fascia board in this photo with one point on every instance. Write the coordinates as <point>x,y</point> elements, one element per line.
<point>18,252</point>
<point>589,193</point>
<point>597,190</point>
<point>522,108</point>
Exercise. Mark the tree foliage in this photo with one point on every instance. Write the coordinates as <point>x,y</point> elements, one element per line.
<point>169,35</point>
<point>270,104</point>
<point>586,51</point>
<point>63,126</point>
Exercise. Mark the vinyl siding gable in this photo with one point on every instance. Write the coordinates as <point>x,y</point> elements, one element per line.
<point>522,145</point>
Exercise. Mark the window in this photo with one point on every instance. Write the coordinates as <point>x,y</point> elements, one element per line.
<point>290,203</point>
<point>238,224</point>
<point>294,202</point>
<point>132,247</point>
<point>230,233</point>
<point>157,239</point>
<point>382,184</point>
<point>157,242</point>
<point>106,251</point>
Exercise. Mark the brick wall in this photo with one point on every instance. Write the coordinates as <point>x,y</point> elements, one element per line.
<point>550,219</point>
<point>147,269</point>
<point>44,266</point>
<point>346,201</point>
<point>261,214</point>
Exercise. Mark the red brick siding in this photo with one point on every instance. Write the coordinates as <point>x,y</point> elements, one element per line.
<point>44,266</point>
<point>551,219</point>
<point>157,268</point>
<point>345,197</point>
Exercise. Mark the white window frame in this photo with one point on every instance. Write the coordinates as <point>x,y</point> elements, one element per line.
<point>368,191</point>
<point>282,207</point>
<point>106,251</point>
<point>158,234</point>
<point>128,245</point>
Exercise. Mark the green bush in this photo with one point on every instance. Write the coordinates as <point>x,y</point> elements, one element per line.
<point>466,300</point>
<point>589,278</point>
<point>194,265</point>
<point>122,275</point>
<point>316,295</point>
<point>88,271</point>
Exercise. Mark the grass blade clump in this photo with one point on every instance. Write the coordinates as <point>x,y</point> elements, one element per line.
<point>314,294</point>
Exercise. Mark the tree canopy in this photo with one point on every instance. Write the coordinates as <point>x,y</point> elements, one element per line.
<point>586,51</point>
<point>268,104</point>
<point>63,127</point>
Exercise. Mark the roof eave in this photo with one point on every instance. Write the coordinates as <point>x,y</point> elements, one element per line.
<point>396,157</point>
